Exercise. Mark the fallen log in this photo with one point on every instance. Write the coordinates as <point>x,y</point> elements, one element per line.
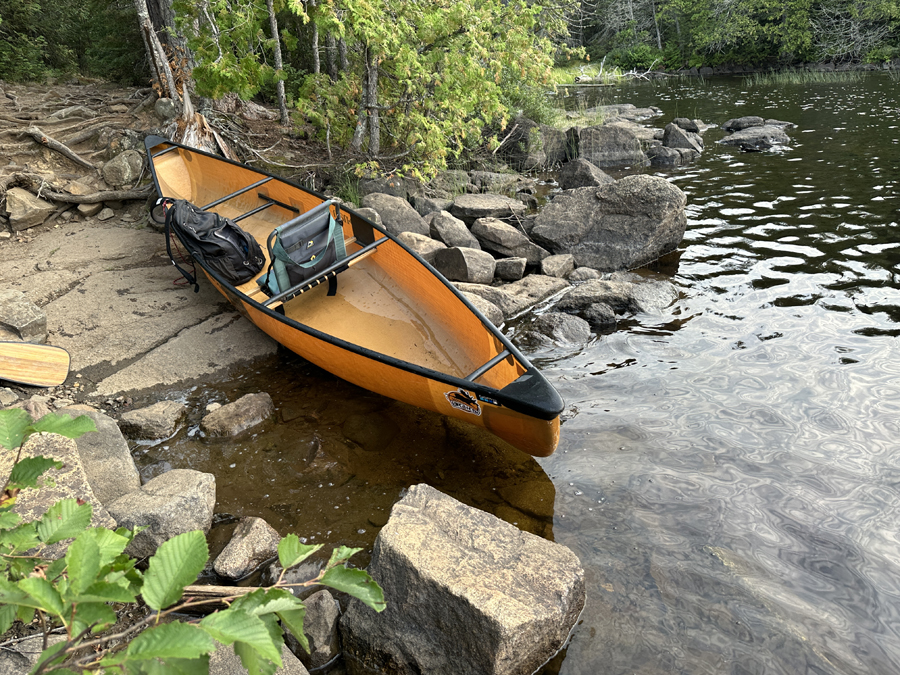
<point>97,197</point>
<point>53,144</point>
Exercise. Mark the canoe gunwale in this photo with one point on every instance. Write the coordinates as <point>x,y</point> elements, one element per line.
<point>546,406</point>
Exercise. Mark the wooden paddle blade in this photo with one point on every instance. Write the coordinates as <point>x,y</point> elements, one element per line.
<point>36,365</point>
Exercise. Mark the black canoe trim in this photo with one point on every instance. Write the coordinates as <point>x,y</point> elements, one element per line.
<point>531,394</point>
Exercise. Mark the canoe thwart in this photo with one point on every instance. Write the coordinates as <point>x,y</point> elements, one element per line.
<point>234,194</point>
<point>481,370</point>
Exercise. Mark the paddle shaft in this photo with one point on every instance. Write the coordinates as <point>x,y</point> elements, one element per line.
<point>35,365</point>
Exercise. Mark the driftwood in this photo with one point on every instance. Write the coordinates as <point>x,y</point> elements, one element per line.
<point>53,144</point>
<point>97,197</point>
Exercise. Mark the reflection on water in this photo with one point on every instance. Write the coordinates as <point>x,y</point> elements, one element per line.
<point>728,469</point>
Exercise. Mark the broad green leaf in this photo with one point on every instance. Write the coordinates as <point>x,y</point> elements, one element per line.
<point>9,520</point>
<point>64,520</point>
<point>13,422</point>
<point>176,564</point>
<point>97,615</point>
<point>51,655</point>
<point>199,666</point>
<point>109,543</point>
<point>7,616</point>
<point>26,614</point>
<point>230,626</point>
<point>357,583</point>
<point>341,555</point>
<point>26,472</point>
<point>293,621</point>
<point>105,592</point>
<point>83,561</point>
<point>253,661</point>
<point>267,601</point>
<point>21,538</point>
<point>41,595</point>
<point>64,425</point>
<point>55,568</point>
<point>292,552</point>
<point>171,641</point>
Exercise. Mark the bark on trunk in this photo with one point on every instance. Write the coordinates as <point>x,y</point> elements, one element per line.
<point>282,99</point>
<point>316,65</point>
<point>374,117</point>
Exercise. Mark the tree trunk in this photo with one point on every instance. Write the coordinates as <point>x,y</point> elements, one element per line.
<point>155,52</point>
<point>331,56</point>
<point>316,65</point>
<point>362,120</point>
<point>282,99</point>
<point>372,96</point>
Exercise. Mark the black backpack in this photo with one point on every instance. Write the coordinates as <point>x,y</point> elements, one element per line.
<point>218,242</point>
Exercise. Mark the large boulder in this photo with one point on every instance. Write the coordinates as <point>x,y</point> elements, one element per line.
<point>618,226</point>
<point>676,137</point>
<point>505,240</point>
<point>423,245</point>
<point>581,173</point>
<point>470,208</point>
<point>465,264</point>
<point>607,145</point>
<point>25,210</point>
<point>450,230</point>
<point>123,169</point>
<point>468,594</point>
<point>396,214</point>
<point>22,318</point>
<point>178,501</point>
<point>513,299</point>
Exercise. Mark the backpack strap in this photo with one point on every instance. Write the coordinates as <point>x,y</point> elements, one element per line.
<point>168,206</point>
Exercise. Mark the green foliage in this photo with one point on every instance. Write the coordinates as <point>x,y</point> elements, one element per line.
<point>74,591</point>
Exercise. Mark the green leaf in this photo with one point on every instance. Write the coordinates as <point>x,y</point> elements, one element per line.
<point>97,615</point>
<point>171,641</point>
<point>230,626</point>
<point>198,666</point>
<point>105,592</point>
<point>293,621</point>
<point>21,538</point>
<point>292,552</point>
<point>26,614</point>
<point>7,616</point>
<point>13,422</point>
<point>26,472</point>
<point>51,655</point>
<point>64,425</point>
<point>64,520</point>
<point>176,564</point>
<point>109,543</point>
<point>9,520</point>
<point>341,555</point>
<point>357,583</point>
<point>253,661</point>
<point>56,568</point>
<point>41,595</point>
<point>83,561</point>
<point>267,601</point>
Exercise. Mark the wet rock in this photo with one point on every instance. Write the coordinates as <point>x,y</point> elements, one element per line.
<point>165,109</point>
<point>581,173</point>
<point>450,230</point>
<point>372,432</point>
<point>247,412</point>
<point>320,625</point>
<point>25,210</point>
<point>224,661</point>
<point>178,501</point>
<point>558,265</point>
<point>513,299</point>
<point>123,169</point>
<point>470,208</point>
<point>396,214</point>
<point>107,460</point>
<point>423,245</point>
<point>662,156</point>
<point>756,139</point>
<point>510,269</point>
<point>159,420</point>
<point>535,498</point>
<point>676,137</point>
<point>490,311</point>
<point>607,145</point>
<point>615,294</point>
<point>468,593</point>
<point>505,240</point>
<point>253,543</point>
<point>22,318</point>
<point>620,225</point>
<point>600,316</point>
<point>465,264</point>
<point>428,205</point>
<point>740,123</point>
<point>561,327</point>
<point>651,296</point>
<point>69,482</point>
<point>89,210</point>
<point>583,274</point>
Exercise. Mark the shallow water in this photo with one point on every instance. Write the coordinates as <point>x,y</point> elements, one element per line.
<point>728,469</point>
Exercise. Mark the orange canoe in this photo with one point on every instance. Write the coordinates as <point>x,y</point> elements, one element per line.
<point>395,326</point>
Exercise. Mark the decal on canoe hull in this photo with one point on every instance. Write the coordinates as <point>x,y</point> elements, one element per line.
<point>463,400</point>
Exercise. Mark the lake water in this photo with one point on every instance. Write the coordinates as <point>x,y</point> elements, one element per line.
<point>728,470</point>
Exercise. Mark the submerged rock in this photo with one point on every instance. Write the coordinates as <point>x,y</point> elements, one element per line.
<point>247,412</point>
<point>159,420</point>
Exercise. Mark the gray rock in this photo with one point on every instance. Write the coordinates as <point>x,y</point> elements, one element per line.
<point>14,663</point>
<point>490,311</point>
<point>372,432</point>
<point>25,210</point>
<point>528,145</point>
<point>253,543</point>
<point>247,412</point>
<point>558,265</point>
<point>621,225</point>
<point>22,318</point>
<point>676,137</point>
<point>581,173</point>
<point>159,420</point>
<point>739,123</point>
<point>224,661</point>
<point>497,182</point>
<point>513,299</point>
<point>780,123</point>
<point>426,205</point>
<point>447,184</point>
<point>757,138</point>
<point>687,124</point>
<point>123,169</point>
<point>614,294</point>
<point>69,482</point>
<point>422,244</point>
<point>600,316</point>
<point>469,593</point>
<point>452,231</point>
<point>320,625</point>
<point>396,213</point>
<point>106,214</point>
<point>505,240</point>
<point>652,296</point>
<point>583,274</point>
<point>470,208</point>
<point>562,327</point>
<point>386,185</point>
<point>607,145</point>
<point>165,109</point>
<point>178,501</point>
<point>660,155</point>
<point>120,140</point>
<point>465,264</point>
<point>7,396</point>
<point>89,210</point>
<point>510,269</point>
<point>107,460</point>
